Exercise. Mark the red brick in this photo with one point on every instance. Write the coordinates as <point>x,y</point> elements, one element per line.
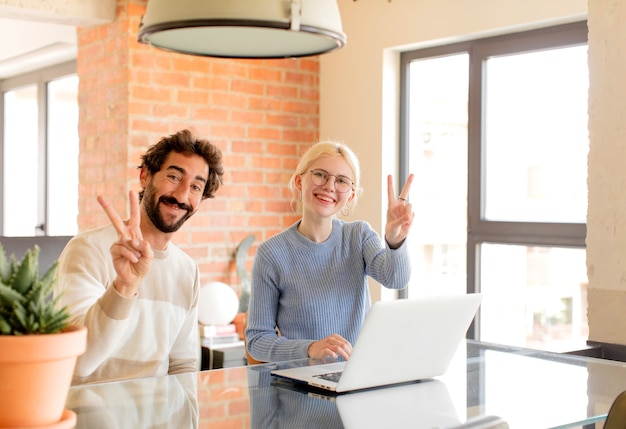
<point>263,114</point>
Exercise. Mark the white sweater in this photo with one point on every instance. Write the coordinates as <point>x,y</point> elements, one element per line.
<point>152,334</point>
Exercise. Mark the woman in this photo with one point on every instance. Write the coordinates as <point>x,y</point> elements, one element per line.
<point>309,283</point>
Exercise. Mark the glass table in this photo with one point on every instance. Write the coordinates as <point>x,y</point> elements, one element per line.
<point>526,388</point>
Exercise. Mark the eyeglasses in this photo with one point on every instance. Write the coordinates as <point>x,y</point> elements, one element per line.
<point>320,178</point>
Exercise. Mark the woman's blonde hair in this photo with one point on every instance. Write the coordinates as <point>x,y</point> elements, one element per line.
<point>328,148</point>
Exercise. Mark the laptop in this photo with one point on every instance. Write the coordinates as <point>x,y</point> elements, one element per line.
<point>400,341</point>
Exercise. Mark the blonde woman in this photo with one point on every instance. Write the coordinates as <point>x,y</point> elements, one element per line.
<point>309,283</point>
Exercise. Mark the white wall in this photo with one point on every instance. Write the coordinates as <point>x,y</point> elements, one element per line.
<point>359,84</point>
<point>606,214</point>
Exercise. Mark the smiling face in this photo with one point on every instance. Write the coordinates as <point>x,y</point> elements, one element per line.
<point>324,201</point>
<point>173,194</point>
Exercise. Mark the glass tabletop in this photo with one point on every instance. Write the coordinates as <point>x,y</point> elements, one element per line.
<point>526,388</point>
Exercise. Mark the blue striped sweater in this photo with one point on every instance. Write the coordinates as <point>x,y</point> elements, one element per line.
<point>311,290</point>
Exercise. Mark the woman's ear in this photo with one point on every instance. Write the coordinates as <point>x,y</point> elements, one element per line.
<point>297,180</point>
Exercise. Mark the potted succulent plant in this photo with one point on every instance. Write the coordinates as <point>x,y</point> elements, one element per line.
<point>38,346</point>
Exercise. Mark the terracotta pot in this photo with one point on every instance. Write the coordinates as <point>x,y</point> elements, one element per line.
<point>36,373</point>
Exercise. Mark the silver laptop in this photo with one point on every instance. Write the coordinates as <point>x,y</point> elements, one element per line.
<point>401,341</point>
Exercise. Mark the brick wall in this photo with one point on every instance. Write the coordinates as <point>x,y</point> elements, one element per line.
<point>262,113</point>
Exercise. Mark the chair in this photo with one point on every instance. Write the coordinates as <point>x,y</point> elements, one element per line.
<point>616,419</point>
<point>249,358</point>
<point>50,248</point>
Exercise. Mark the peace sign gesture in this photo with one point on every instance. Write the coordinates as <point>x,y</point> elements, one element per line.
<point>132,255</point>
<point>399,213</point>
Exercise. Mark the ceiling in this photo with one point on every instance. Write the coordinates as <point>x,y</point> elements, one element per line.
<point>35,45</point>
<point>40,33</point>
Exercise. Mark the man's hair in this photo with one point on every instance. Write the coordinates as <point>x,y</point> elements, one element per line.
<point>184,142</point>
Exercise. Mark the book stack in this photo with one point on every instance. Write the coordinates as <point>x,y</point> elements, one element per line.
<point>216,335</point>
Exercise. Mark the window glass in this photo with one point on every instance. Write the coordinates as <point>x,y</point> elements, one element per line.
<point>21,159</point>
<point>438,158</point>
<point>63,156</point>
<point>39,147</point>
<point>535,136</point>
<point>534,296</point>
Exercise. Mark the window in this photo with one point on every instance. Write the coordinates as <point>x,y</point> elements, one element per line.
<point>495,131</point>
<point>39,156</point>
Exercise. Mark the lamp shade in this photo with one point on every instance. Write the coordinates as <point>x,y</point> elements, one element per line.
<point>243,28</point>
<point>217,304</point>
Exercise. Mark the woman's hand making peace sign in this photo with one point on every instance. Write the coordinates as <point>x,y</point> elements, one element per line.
<point>399,213</point>
<point>132,255</point>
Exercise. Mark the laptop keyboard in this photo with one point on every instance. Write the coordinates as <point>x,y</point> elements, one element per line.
<point>330,376</point>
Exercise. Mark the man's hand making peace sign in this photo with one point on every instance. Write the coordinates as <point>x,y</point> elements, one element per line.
<point>132,255</point>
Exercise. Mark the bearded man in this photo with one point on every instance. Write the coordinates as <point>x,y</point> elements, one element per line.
<point>134,290</point>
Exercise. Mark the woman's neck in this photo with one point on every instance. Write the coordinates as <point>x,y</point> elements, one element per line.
<point>317,231</point>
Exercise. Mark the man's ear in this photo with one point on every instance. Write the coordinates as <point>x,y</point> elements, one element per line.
<point>144,176</point>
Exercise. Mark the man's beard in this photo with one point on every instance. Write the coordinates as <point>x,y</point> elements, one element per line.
<point>154,214</point>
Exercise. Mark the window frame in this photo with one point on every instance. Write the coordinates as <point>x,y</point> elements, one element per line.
<point>40,78</point>
<point>480,230</point>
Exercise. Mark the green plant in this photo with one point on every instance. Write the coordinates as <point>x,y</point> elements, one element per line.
<point>26,304</point>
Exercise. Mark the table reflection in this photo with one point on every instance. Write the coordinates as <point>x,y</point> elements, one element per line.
<point>279,404</point>
<point>525,388</point>
<point>282,406</point>
<point>161,402</point>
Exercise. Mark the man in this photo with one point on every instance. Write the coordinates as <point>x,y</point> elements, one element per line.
<point>134,290</point>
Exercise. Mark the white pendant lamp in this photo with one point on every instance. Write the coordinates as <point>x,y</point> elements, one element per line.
<point>243,28</point>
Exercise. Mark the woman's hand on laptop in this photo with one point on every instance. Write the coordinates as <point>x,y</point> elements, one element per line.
<point>332,346</point>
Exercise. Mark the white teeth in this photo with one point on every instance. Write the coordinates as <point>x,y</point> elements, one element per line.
<point>174,206</point>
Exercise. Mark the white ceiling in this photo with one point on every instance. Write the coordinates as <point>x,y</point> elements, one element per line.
<point>38,33</point>
<point>34,45</point>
